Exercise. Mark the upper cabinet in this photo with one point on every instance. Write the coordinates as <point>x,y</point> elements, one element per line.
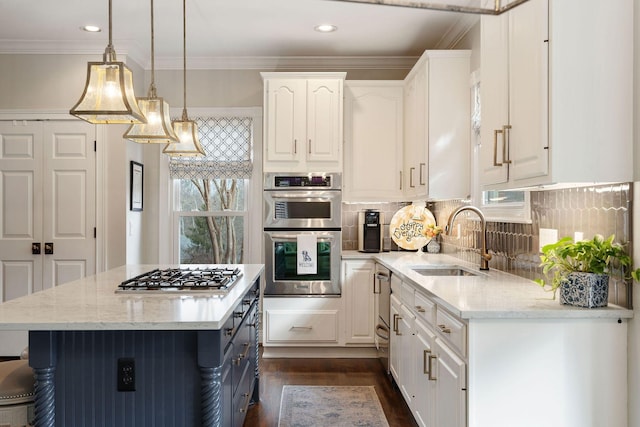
<point>556,92</point>
<point>373,141</point>
<point>303,122</point>
<point>437,126</point>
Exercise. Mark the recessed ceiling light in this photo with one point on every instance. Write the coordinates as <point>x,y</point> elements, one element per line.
<point>91,29</point>
<point>325,28</point>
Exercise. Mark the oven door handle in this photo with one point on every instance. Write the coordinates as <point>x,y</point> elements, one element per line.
<point>293,237</point>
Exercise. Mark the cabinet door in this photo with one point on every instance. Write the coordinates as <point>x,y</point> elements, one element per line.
<point>494,97</point>
<point>324,120</point>
<point>451,388</point>
<point>405,329</point>
<point>373,142</point>
<point>285,116</point>
<point>425,386</point>
<point>528,90</point>
<point>394,339</point>
<point>359,299</point>
<point>415,173</point>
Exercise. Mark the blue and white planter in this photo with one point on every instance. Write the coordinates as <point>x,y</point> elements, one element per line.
<point>585,290</point>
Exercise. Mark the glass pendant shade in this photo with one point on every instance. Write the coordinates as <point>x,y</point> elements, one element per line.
<point>189,143</point>
<point>158,129</point>
<point>108,96</point>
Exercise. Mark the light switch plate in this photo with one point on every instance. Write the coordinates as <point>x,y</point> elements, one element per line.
<point>548,236</point>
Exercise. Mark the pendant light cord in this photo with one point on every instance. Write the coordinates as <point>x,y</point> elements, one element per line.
<point>152,86</point>
<point>109,52</point>
<point>184,58</point>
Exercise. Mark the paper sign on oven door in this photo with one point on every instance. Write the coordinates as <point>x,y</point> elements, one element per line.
<point>307,254</point>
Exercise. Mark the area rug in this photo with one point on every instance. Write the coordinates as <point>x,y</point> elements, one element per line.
<point>324,406</point>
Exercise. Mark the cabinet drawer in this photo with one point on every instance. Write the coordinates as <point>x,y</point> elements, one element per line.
<point>408,294</point>
<point>301,326</point>
<point>454,330</point>
<point>425,308</point>
<point>396,286</point>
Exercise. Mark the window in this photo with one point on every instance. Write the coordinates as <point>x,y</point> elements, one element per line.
<point>211,193</point>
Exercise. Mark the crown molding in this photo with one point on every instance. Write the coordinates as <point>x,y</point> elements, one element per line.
<point>457,32</point>
<point>135,53</point>
<point>297,63</point>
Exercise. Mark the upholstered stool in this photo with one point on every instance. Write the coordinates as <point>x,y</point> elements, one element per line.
<point>16,393</point>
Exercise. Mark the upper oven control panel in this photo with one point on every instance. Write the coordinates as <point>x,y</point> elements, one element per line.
<point>283,181</point>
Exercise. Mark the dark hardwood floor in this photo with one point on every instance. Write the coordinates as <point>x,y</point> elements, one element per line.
<point>274,373</point>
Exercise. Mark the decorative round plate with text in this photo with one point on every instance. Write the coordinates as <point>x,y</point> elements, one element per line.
<point>408,225</point>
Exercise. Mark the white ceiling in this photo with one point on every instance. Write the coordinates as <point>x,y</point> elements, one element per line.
<point>227,31</point>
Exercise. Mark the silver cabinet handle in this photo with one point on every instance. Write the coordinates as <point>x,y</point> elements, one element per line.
<point>411,177</point>
<point>495,147</point>
<point>422,165</point>
<point>426,369</point>
<point>431,359</point>
<point>309,146</point>
<point>420,309</point>
<point>295,146</point>
<point>505,152</point>
<point>396,329</point>
<point>304,328</point>
<point>444,329</point>
<point>247,401</point>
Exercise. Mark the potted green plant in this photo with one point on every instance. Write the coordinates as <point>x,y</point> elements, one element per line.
<point>581,269</point>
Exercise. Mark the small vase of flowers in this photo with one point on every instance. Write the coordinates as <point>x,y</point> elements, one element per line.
<point>433,231</point>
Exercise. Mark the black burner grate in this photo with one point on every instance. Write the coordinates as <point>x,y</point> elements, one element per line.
<point>183,279</point>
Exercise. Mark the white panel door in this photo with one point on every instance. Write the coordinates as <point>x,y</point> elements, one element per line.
<point>69,200</point>
<point>47,176</point>
<point>21,208</point>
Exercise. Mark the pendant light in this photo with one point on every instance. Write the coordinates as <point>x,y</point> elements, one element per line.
<point>186,130</point>
<point>108,96</point>
<point>158,128</point>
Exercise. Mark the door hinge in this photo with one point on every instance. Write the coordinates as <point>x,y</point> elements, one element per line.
<point>95,232</point>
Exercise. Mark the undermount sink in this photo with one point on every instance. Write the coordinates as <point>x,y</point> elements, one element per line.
<point>443,270</point>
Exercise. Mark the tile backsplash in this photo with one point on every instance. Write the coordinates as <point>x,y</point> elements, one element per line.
<point>602,209</point>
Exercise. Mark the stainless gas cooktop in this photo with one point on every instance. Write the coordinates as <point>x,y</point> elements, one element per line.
<point>213,280</point>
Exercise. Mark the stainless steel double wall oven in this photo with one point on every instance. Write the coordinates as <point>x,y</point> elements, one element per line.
<point>302,205</point>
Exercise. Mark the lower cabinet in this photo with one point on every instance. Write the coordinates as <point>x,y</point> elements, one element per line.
<point>429,370</point>
<point>301,321</point>
<point>360,312</point>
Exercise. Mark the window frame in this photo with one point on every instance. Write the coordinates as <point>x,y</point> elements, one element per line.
<point>169,189</point>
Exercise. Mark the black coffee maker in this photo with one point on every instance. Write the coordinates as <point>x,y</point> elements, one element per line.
<point>370,224</point>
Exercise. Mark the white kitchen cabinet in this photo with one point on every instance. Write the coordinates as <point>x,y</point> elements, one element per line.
<point>360,309</point>
<point>437,126</point>
<point>395,349</point>
<point>450,386</point>
<point>550,114</point>
<point>373,135</point>
<point>303,120</point>
<point>425,387</point>
<point>302,322</point>
<point>427,359</point>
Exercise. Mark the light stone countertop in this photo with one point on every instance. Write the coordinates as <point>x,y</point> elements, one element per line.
<point>92,304</point>
<point>490,294</point>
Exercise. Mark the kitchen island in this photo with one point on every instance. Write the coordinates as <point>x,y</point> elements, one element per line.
<point>492,349</point>
<point>159,358</point>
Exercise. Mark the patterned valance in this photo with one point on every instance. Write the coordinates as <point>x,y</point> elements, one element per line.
<point>227,143</point>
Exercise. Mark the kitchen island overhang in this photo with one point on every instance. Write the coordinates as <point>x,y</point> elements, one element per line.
<point>195,357</point>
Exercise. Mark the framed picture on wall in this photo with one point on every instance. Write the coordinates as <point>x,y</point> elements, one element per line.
<point>136,177</point>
